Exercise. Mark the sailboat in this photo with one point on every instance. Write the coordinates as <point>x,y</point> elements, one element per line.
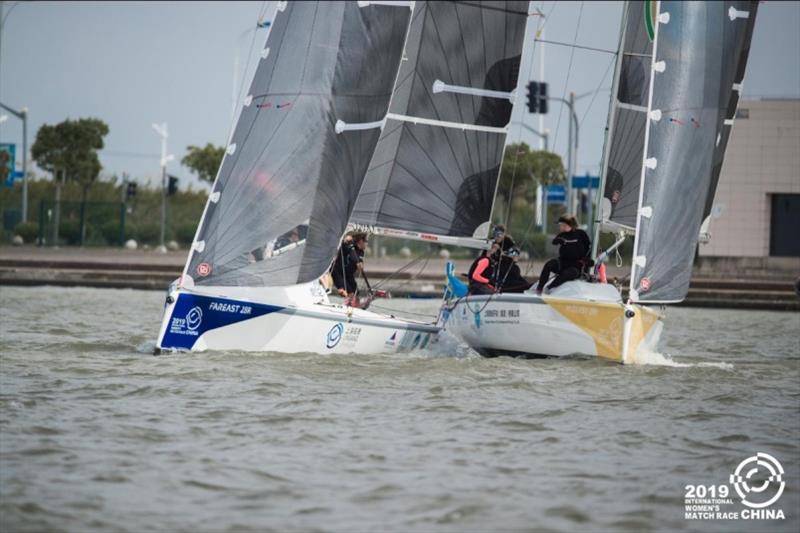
<point>678,77</point>
<point>292,170</point>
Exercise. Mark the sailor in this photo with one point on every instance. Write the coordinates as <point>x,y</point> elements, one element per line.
<point>573,254</point>
<point>502,239</point>
<point>509,277</point>
<point>481,271</point>
<point>349,260</point>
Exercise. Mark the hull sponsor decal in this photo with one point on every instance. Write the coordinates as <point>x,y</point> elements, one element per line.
<point>194,315</point>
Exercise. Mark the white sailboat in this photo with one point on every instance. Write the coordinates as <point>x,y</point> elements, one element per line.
<point>293,168</point>
<point>678,77</point>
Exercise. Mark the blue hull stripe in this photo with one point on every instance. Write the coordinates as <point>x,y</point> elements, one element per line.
<point>193,315</point>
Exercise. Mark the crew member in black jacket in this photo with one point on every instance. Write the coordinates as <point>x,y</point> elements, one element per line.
<point>573,252</point>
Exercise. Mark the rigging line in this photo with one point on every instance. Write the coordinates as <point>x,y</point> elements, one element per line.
<point>581,46</point>
<point>566,83</point>
<point>597,90</point>
<point>519,128</point>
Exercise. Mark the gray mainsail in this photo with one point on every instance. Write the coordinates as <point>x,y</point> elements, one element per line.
<point>436,165</point>
<point>288,181</point>
<point>691,81</point>
<point>623,162</point>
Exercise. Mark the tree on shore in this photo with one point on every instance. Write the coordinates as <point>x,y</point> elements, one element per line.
<point>204,161</point>
<point>70,149</point>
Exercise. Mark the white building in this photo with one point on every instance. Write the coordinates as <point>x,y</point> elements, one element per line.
<point>756,210</point>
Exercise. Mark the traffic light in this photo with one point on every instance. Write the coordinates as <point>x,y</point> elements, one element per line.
<point>172,186</point>
<point>533,97</point>
<point>537,97</point>
<point>543,98</point>
<point>130,192</point>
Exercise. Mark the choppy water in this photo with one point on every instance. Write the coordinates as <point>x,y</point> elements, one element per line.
<point>96,434</point>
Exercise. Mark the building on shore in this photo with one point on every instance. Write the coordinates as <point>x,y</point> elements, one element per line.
<point>756,210</point>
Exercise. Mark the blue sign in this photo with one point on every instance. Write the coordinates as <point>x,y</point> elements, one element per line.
<point>582,182</point>
<point>8,158</point>
<point>555,194</point>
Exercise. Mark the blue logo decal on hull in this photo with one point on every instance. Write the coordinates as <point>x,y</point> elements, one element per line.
<point>193,315</point>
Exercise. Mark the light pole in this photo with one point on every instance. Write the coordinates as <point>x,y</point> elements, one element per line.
<point>161,129</point>
<point>23,116</point>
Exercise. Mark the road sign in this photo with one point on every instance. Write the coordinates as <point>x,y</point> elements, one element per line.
<point>555,194</point>
<point>582,182</point>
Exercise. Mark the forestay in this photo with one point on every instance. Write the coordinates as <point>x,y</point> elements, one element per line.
<point>288,181</point>
<point>436,165</point>
<point>692,76</point>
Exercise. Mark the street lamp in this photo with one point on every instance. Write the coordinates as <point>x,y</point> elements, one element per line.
<point>161,129</point>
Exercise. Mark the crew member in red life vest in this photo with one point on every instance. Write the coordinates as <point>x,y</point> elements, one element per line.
<point>574,248</point>
<point>481,271</point>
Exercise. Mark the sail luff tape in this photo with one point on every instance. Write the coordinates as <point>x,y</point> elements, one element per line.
<point>342,126</point>
<point>646,211</point>
<point>663,18</point>
<point>396,3</point>
<point>446,124</point>
<point>651,163</point>
<point>214,198</point>
<point>440,86</point>
<point>660,66</point>
<point>248,100</point>
<point>231,149</point>
<point>265,53</point>
<point>640,261</point>
<point>655,115</point>
<point>734,14</point>
<point>199,246</point>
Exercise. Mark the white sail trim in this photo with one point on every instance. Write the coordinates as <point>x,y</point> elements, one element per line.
<point>466,242</point>
<point>734,14</point>
<point>394,3</point>
<point>440,86</point>
<point>446,124</point>
<point>632,107</point>
<point>342,126</point>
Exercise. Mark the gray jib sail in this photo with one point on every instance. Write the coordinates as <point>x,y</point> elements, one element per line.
<point>623,166</point>
<point>691,82</point>
<point>731,87</point>
<point>432,178</point>
<point>288,183</point>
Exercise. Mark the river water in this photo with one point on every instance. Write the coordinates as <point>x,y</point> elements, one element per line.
<point>96,434</point>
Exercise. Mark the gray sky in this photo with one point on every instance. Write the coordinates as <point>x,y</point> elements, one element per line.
<point>135,63</point>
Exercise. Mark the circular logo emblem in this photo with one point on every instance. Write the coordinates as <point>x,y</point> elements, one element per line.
<point>759,480</point>
<point>334,335</point>
<point>203,269</point>
<point>615,197</point>
<point>644,284</point>
<point>193,318</point>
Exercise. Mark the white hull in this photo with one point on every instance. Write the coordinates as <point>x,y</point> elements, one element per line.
<point>198,321</point>
<point>577,319</point>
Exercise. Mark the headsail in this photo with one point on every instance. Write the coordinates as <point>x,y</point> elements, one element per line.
<point>691,81</point>
<point>436,166</point>
<point>623,160</point>
<point>288,182</point>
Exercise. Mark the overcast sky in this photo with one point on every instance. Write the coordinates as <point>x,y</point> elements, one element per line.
<point>135,63</point>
